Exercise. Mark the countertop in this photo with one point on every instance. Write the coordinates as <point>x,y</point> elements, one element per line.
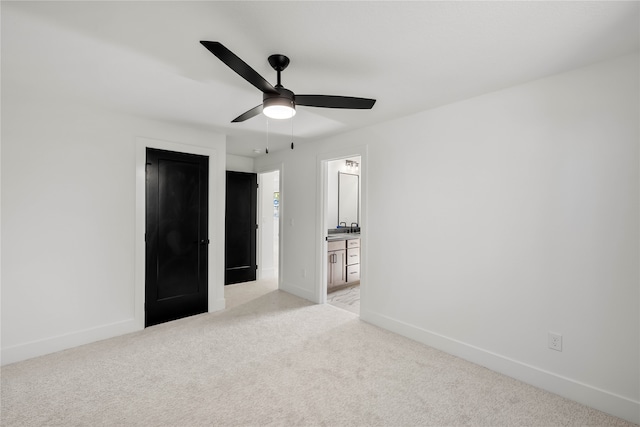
<point>342,236</point>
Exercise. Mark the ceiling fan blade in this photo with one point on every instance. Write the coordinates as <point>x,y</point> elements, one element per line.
<point>247,115</point>
<point>239,66</point>
<point>331,101</point>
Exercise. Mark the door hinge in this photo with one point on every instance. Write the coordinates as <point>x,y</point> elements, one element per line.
<point>256,226</point>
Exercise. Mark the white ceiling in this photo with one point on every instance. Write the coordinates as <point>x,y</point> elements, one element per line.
<point>145,58</point>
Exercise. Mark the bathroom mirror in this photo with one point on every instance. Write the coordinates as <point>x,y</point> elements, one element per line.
<point>348,198</point>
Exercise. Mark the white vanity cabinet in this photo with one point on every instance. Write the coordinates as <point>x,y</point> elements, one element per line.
<point>336,264</point>
<point>343,262</point>
<point>353,260</point>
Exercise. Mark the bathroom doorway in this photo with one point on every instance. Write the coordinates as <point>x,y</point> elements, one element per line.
<point>343,231</point>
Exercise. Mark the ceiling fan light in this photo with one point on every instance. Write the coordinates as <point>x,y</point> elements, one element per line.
<point>279,108</point>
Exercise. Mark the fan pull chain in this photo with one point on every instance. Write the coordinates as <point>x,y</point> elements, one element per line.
<point>291,133</point>
<point>267,149</point>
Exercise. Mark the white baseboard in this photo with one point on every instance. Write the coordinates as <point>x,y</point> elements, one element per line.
<point>44,346</point>
<point>298,291</point>
<point>594,397</point>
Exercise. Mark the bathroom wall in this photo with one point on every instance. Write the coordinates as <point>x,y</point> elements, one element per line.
<point>333,167</point>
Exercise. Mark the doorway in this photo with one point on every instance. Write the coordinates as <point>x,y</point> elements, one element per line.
<point>176,236</point>
<point>343,219</point>
<point>269,225</point>
<point>240,227</point>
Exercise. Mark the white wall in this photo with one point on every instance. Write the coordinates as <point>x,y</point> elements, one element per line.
<point>69,221</point>
<point>520,216</point>
<point>239,163</point>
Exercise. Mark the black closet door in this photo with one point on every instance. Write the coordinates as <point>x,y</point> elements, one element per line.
<point>177,242</point>
<point>240,226</point>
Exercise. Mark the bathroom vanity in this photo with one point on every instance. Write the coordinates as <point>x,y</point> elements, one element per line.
<point>343,260</point>
<point>343,212</point>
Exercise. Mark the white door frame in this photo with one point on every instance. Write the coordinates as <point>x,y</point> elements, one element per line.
<point>278,167</point>
<point>323,225</point>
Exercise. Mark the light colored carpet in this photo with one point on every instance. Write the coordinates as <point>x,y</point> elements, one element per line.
<point>347,299</point>
<point>272,359</point>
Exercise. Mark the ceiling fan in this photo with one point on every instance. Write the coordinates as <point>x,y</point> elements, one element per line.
<point>277,101</point>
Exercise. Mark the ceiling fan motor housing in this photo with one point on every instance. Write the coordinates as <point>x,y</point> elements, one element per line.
<point>283,94</point>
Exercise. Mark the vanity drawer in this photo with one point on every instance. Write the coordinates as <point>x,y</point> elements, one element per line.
<point>353,256</point>
<point>353,273</point>
<point>335,246</point>
<point>353,243</point>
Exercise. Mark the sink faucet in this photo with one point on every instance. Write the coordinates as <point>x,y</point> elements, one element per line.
<point>345,224</point>
<point>352,229</point>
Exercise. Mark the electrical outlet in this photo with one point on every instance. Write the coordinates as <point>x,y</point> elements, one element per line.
<point>555,341</point>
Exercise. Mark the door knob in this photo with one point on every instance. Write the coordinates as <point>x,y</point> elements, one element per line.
<point>204,242</point>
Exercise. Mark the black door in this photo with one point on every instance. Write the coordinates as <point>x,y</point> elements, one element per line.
<point>240,227</point>
<point>177,188</point>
